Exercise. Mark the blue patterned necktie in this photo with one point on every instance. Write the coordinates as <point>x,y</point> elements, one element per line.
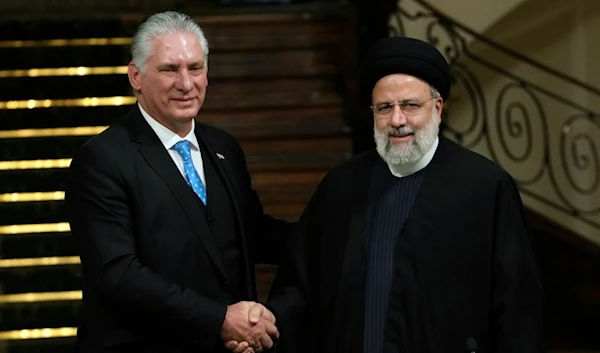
<point>191,176</point>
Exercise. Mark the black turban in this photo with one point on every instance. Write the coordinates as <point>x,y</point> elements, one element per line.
<point>403,55</point>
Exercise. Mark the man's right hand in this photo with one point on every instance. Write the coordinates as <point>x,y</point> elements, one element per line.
<point>248,322</point>
<point>258,312</point>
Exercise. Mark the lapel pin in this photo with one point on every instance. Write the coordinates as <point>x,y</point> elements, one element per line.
<point>220,156</point>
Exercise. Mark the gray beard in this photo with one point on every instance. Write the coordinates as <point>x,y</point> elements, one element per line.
<point>406,153</point>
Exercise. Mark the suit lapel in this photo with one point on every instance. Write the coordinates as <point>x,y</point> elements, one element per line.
<point>218,160</point>
<point>160,161</point>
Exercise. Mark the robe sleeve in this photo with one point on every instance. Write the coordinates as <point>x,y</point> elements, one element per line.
<point>294,294</point>
<point>517,295</point>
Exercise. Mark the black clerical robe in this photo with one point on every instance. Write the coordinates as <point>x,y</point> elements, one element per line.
<point>465,265</point>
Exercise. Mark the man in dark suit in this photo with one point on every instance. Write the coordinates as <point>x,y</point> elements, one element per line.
<point>163,210</point>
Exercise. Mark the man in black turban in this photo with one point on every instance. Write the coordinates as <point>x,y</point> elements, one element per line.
<point>419,246</point>
<point>402,55</point>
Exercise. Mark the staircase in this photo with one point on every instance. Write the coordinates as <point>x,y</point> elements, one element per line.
<point>274,84</point>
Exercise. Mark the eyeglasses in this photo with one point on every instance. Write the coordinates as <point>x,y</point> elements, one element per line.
<point>386,109</point>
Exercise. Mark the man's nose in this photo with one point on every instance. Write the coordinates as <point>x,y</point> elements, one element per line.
<point>398,117</point>
<point>185,81</point>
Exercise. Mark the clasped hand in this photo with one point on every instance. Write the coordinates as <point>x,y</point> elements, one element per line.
<point>248,327</point>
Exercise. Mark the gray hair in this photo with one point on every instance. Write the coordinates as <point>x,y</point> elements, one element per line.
<point>160,24</point>
<point>434,92</point>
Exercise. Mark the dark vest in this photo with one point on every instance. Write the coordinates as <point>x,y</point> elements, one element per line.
<point>221,218</point>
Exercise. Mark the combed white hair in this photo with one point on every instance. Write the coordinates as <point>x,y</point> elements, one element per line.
<point>160,24</point>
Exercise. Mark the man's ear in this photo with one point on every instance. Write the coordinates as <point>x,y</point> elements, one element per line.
<point>439,107</point>
<point>134,75</point>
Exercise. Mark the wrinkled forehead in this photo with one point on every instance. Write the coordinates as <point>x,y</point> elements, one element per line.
<point>183,45</point>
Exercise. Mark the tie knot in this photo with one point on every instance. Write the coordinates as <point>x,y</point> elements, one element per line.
<point>183,148</point>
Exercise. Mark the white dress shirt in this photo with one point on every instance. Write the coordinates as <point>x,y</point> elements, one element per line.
<point>402,170</point>
<point>169,139</point>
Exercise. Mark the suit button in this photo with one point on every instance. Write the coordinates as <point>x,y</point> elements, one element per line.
<point>226,285</point>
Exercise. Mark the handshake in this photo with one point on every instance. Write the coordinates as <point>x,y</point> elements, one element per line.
<point>248,328</point>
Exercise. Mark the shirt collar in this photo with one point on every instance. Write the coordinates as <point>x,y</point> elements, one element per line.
<point>402,170</point>
<point>167,137</point>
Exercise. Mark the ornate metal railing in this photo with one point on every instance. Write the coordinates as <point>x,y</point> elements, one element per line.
<point>540,125</point>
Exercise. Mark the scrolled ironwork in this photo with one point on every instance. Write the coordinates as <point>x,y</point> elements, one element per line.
<point>578,171</point>
<point>473,120</point>
<point>396,28</point>
<point>519,117</point>
<point>439,34</point>
<point>548,142</point>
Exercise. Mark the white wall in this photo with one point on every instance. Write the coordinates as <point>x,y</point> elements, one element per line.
<point>476,14</point>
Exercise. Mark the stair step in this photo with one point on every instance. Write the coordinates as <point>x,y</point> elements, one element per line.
<point>62,28</point>
<point>271,93</point>
<point>41,279</point>
<point>65,87</point>
<point>38,245</point>
<point>223,37</point>
<point>11,119</point>
<point>231,28</point>
<point>296,162</point>
<point>244,36</point>
<point>32,212</point>
<point>258,123</point>
<point>264,124</point>
<point>238,66</point>
<point>304,177</point>
<point>279,123</point>
<point>49,345</point>
<point>68,56</point>
<point>222,96</point>
<point>293,146</point>
<point>40,148</point>
<point>39,314</point>
<point>227,94</point>
<point>273,64</point>
<point>33,180</point>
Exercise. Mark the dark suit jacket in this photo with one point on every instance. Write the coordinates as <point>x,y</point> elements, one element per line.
<point>154,280</point>
<point>465,265</point>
